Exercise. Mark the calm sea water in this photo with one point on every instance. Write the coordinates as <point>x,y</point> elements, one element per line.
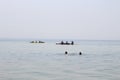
<point>21,60</point>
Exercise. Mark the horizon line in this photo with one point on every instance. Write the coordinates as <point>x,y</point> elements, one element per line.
<point>56,39</point>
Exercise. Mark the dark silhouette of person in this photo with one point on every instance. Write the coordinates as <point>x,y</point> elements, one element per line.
<point>80,53</point>
<point>72,43</point>
<point>62,42</point>
<point>66,52</point>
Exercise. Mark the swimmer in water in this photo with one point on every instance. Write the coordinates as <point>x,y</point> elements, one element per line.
<point>66,52</point>
<point>80,53</point>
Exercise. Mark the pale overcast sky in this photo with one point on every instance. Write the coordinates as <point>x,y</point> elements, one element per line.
<point>60,19</point>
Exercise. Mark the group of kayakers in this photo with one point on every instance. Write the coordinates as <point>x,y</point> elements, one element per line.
<point>66,43</point>
<point>37,42</point>
<point>61,43</point>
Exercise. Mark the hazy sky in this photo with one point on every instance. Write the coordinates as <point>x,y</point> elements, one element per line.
<point>60,19</point>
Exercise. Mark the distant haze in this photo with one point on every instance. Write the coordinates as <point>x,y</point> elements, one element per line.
<point>60,19</point>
